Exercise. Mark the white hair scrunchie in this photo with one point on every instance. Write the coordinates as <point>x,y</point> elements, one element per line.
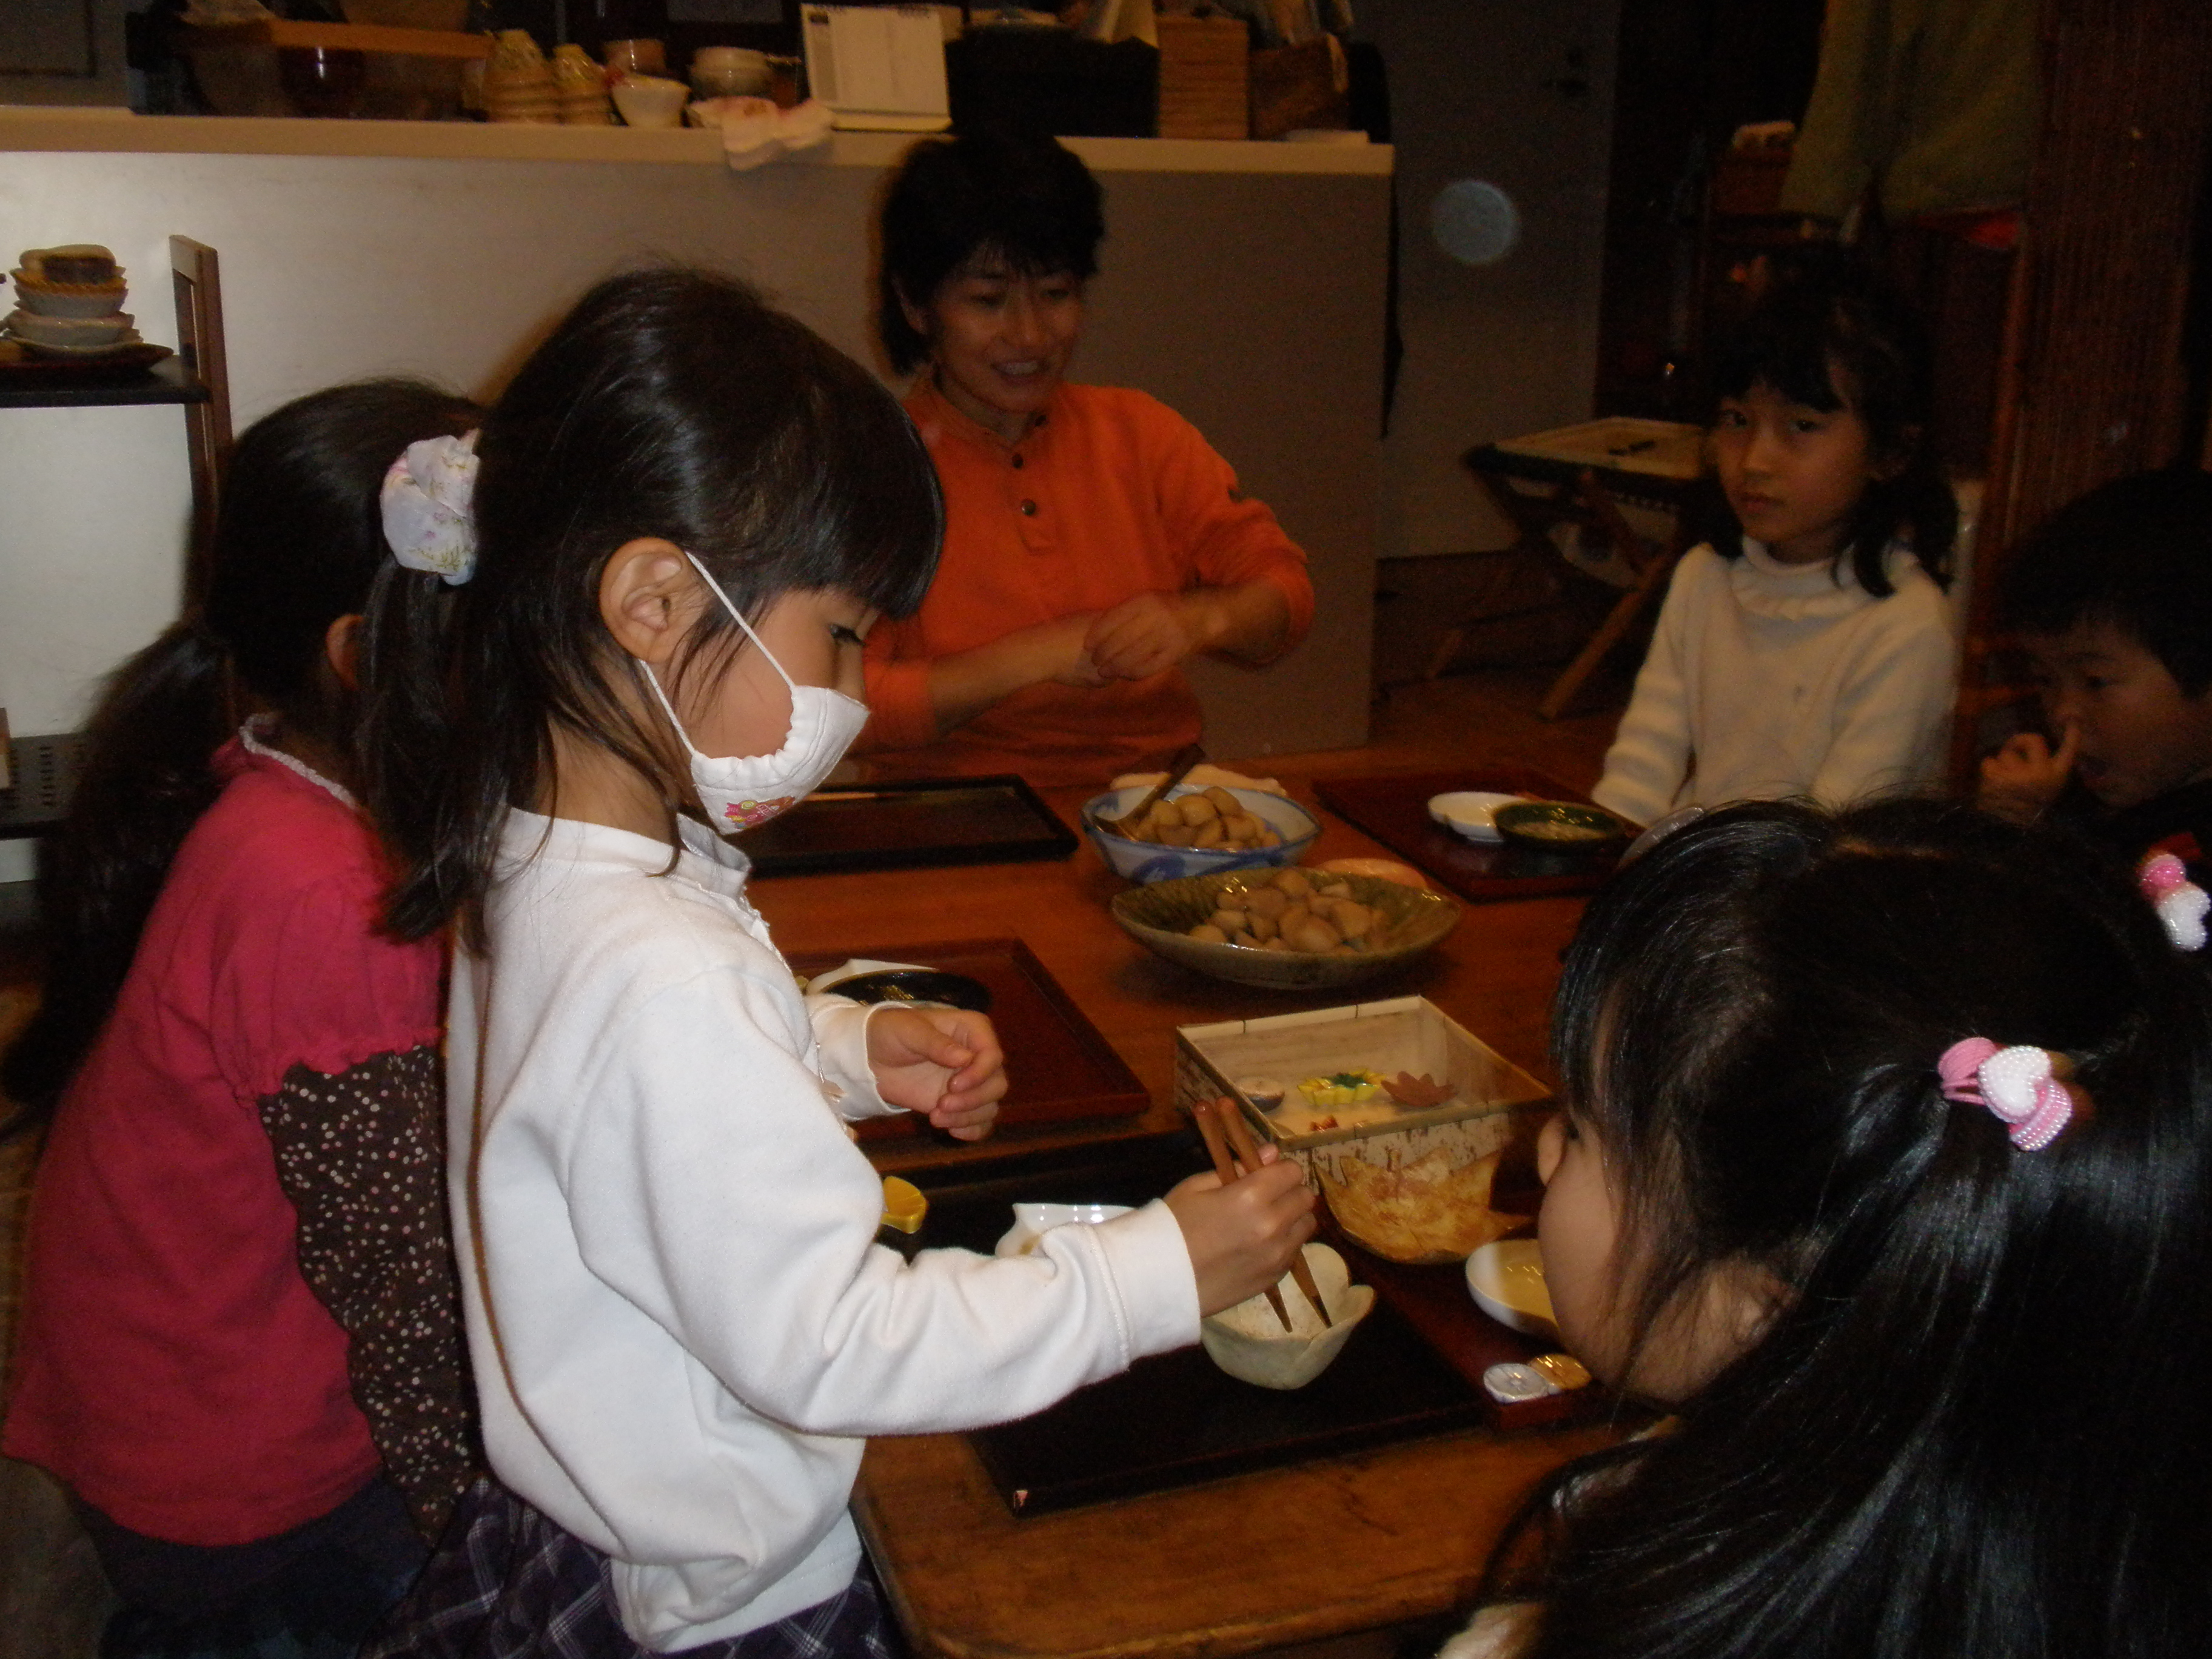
<point>427,497</point>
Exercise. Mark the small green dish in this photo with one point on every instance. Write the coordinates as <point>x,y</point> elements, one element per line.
<point>1558,827</point>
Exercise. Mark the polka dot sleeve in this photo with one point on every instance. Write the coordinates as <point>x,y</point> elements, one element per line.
<point>361,1156</point>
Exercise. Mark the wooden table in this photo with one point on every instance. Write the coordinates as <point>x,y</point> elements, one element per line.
<point>1342,1545</point>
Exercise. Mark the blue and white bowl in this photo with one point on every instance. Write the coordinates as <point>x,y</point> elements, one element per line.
<point>1149,860</point>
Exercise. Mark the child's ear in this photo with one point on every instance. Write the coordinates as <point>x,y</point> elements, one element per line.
<point>1889,465</point>
<point>648,596</point>
<point>342,649</point>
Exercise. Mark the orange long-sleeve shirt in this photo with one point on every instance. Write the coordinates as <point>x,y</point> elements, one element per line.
<point>1111,494</point>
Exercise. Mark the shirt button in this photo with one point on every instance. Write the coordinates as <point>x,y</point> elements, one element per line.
<point>1028,509</point>
<point>1018,460</point>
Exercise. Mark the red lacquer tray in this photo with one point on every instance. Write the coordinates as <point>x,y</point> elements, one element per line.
<point>1395,810</point>
<point>1058,1065</point>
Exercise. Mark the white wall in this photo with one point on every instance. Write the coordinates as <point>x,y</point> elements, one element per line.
<point>1497,350</point>
<point>1252,302</point>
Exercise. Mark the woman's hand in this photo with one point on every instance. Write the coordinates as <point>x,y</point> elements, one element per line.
<point>2022,779</point>
<point>1147,634</point>
<point>1242,1236</point>
<point>943,1062</point>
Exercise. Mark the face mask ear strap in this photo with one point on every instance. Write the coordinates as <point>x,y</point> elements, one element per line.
<point>708,577</point>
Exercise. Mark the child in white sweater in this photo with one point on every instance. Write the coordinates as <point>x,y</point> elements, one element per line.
<point>690,510</point>
<point>1809,650</point>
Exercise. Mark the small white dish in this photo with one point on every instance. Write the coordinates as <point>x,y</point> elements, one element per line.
<point>1468,811</point>
<point>649,101</point>
<point>72,333</point>
<point>1250,1343</point>
<point>1507,1281</point>
<point>1033,1221</point>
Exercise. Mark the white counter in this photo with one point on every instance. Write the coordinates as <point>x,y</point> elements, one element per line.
<point>27,127</point>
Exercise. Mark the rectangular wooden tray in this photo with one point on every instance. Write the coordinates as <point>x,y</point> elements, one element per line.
<point>1395,810</point>
<point>925,823</point>
<point>1058,1065</point>
<point>1177,1419</point>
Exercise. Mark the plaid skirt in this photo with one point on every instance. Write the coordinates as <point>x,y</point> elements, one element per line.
<point>508,1583</point>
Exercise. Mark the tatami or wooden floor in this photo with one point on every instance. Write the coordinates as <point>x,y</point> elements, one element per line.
<point>52,1601</point>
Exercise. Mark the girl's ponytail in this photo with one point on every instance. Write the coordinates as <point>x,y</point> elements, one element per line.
<point>146,779</point>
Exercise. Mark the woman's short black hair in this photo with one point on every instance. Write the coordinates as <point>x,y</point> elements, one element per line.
<point>1028,201</point>
<point>1825,333</point>
<point>2135,553</point>
<point>1973,1420</point>
<point>673,404</point>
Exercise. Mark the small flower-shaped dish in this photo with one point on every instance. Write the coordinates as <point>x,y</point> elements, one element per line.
<point>1250,1343</point>
<point>1033,1221</point>
<point>1468,813</point>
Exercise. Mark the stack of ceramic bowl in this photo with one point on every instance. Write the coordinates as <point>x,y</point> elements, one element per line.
<point>582,87</point>
<point>518,83</point>
<point>69,303</point>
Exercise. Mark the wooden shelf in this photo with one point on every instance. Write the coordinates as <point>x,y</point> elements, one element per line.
<point>346,37</point>
<point>166,382</point>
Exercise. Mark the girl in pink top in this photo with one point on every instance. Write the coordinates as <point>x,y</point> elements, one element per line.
<point>240,1347</point>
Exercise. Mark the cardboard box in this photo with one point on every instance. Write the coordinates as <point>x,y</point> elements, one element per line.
<point>1493,1100</point>
<point>1204,79</point>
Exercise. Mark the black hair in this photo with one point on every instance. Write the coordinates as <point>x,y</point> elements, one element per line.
<point>1823,333</point>
<point>1027,200</point>
<point>672,404</point>
<point>2135,553</point>
<point>298,543</point>
<point>1974,1423</point>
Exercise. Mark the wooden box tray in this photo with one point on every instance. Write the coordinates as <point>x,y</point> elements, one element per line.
<point>1058,1065</point>
<point>900,826</point>
<point>1395,810</point>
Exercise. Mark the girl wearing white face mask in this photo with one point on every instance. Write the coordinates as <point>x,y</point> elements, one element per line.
<point>689,513</point>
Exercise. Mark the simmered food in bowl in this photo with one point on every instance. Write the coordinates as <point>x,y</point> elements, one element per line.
<point>1215,829</point>
<point>1392,924</point>
<point>1558,826</point>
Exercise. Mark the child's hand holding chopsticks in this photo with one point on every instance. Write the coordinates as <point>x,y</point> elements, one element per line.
<point>1243,1233</point>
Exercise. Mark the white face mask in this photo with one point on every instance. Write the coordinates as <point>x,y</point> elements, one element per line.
<point>740,791</point>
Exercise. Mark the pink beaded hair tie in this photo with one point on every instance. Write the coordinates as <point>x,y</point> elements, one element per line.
<point>2023,1087</point>
<point>2180,901</point>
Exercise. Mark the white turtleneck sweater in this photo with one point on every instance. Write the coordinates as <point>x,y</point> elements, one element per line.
<point>1767,680</point>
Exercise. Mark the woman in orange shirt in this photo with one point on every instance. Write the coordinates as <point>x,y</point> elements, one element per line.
<point>1093,539</point>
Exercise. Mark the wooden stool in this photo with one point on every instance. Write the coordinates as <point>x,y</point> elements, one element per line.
<point>1582,474</point>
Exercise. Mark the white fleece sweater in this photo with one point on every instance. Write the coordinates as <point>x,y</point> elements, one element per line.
<point>680,1321</point>
<point>1767,680</point>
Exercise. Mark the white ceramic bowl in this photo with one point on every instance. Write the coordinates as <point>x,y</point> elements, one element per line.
<point>1150,861</point>
<point>1033,1221</point>
<point>648,100</point>
<point>1250,1343</point>
<point>1507,1280</point>
<point>1467,813</point>
<point>40,301</point>
<point>72,333</point>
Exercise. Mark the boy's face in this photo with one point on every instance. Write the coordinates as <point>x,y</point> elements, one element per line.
<point>2139,736</point>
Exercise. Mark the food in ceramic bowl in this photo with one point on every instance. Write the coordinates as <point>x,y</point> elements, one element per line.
<point>1287,830</point>
<point>1250,1343</point>
<point>1434,1208</point>
<point>1402,923</point>
<point>1507,1281</point>
<point>1033,1221</point>
<point>1469,813</point>
<point>1559,826</point>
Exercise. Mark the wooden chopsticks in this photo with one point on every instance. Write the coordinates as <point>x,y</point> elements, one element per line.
<point>1229,1142</point>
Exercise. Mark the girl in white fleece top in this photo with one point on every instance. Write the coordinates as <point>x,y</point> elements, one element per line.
<point>1809,651</point>
<point>690,510</point>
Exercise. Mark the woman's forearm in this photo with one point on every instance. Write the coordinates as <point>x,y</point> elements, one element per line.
<point>967,683</point>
